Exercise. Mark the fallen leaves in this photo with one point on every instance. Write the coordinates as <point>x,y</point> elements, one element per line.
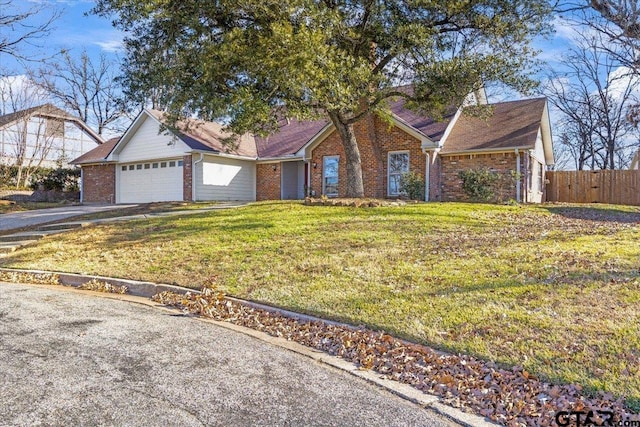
<point>512,397</point>
<point>102,286</point>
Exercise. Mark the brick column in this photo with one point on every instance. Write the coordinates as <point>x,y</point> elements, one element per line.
<point>187,178</point>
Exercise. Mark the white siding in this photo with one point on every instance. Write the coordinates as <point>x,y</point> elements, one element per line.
<point>538,151</point>
<point>222,178</point>
<point>147,144</point>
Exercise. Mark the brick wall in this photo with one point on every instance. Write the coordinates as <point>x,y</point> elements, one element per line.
<point>99,183</point>
<point>268,181</point>
<point>187,178</point>
<point>375,140</point>
<point>503,163</point>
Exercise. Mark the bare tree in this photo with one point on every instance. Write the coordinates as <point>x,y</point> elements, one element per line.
<point>26,138</point>
<point>595,95</point>
<point>86,87</point>
<point>19,29</point>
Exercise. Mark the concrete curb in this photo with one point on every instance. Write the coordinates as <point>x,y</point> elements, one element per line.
<point>141,292</point>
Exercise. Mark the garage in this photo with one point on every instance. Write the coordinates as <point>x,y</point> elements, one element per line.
<point>151,181</point>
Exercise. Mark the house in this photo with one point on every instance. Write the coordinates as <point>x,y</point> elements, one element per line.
<point>202,162</point>
<point>635,163</point>
<point>44,136</point>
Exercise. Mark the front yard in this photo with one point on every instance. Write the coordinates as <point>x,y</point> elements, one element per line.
<point>554,288</point>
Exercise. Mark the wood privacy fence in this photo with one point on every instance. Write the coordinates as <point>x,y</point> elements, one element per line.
<point>618,187</point>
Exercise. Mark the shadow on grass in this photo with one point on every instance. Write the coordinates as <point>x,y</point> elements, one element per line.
<point>593,213</point>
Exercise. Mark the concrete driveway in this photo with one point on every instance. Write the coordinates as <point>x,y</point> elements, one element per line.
<point>69,358</point>
<point>15,220</point>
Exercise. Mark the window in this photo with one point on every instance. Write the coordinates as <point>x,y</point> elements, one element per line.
<point>540,177</point>
<point>138,167</point>
<point>398,165</point>
<point>147,165</point>
<point>124,168</point>
<point>180,163</point>
<point>131,167</point>
<point>155,166</point>
<point>330,175</point>
<point>163,164</point>
<point>172,164</point>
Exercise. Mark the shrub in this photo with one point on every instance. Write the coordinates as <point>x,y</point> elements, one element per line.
<point>60,179</point>
<point>412,184</point>
<point>479,184</point>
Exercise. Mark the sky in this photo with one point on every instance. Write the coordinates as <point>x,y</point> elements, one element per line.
<point>74,30</point>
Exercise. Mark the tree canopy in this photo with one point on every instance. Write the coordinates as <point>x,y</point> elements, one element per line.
<point>254,61</point>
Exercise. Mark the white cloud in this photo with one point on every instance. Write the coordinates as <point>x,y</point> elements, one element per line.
<point>110,45</point>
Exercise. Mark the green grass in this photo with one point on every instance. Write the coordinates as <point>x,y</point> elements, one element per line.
<point>555,288</point>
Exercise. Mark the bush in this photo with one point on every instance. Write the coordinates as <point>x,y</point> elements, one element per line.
<point>479,184</point>
<point>412,184</point>
<point>60,179</point>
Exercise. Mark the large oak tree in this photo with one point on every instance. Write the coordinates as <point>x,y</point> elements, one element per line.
<point>252,62</point>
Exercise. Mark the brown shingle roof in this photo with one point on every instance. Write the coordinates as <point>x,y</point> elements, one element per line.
<point>98,154</point>
<point>512,125</point>
<point>209,136</point>
<point>428,126</point>
<point>290,137</point>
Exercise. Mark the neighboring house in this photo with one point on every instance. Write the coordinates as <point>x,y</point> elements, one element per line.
<point>307,158</point>
<point>44,136</point>
<point>635,163</point>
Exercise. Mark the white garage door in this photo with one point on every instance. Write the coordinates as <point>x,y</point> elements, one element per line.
<point>145,182</point>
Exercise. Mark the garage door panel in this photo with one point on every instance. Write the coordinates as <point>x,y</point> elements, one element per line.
<point>159,184</point>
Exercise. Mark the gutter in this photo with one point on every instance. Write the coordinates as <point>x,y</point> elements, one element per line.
<point>193,176</point>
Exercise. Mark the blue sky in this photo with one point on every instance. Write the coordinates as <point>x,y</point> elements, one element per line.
<point>75,31</point>
<point>72,31</point>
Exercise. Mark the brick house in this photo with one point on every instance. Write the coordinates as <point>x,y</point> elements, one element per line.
<point>307,158</point>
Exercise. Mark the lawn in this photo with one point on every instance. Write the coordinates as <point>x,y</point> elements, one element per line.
<point>9,207</point>
<point>553,288</point>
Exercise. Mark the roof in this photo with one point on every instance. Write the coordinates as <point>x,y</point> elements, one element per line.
<point>98,154</point>
<point>50,111</point>
<point>513,124</point>
<point>432,128</point>
<point>210,136</point>
<point>291,136</point>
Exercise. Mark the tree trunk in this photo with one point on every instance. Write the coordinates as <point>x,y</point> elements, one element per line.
<point>355,185</point>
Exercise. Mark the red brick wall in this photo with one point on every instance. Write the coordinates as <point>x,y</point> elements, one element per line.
<point>375,140</point>
<point>99,183</point>
<point>503,163</point>
<point>187,178</point>
<point>268,181</point>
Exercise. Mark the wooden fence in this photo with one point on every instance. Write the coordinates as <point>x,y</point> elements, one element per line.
<point>618,187</point>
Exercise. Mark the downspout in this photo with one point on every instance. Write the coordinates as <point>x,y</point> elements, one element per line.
<point>82,184</point>
<point>309,166</point>
<point>193,177</point>
<point>518,188</point>
<point>426,175</point>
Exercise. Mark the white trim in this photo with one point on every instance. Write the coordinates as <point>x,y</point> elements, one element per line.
<point>518,184</point>
<point>449,128</point>
<point>389,154</point>
<point>338,173</point>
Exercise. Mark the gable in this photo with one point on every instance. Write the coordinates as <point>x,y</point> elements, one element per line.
<point>144,141</point>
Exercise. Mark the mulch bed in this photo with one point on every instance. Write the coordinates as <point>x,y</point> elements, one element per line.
<point>511,397</point>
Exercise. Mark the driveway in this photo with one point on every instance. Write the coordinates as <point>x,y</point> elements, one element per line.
<point>41,216</point>
<point>70,358</point>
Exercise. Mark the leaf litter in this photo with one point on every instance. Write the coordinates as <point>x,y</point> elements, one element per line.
<point>511,397</point>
